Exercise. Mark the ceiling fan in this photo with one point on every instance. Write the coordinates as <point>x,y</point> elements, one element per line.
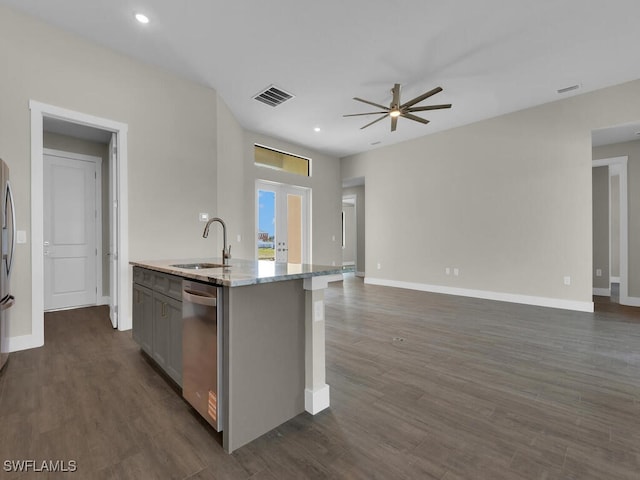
<point>396,109</point>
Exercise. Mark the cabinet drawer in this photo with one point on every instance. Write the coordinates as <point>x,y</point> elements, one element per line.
<point>168,285</point>
<point>142,276</point>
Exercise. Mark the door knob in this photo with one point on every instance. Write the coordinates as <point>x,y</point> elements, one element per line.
<point>46,244</point>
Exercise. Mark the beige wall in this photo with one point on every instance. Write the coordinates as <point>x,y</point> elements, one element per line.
<point>506,200</point>
<point>172,138</point>
<point>600,182</point>
<point>631,150</point>
<point>359,193</point>
<point>76,145</point>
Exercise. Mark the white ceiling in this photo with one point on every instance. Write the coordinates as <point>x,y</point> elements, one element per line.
<point>491,57</point>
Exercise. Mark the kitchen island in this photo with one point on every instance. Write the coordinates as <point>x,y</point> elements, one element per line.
<point>273,345</point>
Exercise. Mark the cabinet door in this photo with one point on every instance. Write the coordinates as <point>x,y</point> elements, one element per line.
<point>174,360</point>
<point>161,329</point>
<point>143,317</point>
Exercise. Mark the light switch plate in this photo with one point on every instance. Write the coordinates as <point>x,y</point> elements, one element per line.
<point>567,280</point>
<point>204,217</point>
<point>21,236</point>
<point>598,272</point>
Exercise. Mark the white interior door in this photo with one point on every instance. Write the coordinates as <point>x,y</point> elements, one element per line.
<point>283,233</point>
<point>113,230</point>
<point>70,232</point>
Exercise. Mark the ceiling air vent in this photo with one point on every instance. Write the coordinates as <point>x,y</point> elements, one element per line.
<point>568,89</point>
<point>273,96</point>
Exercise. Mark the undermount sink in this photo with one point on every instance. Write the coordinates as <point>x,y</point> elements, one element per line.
<point>200,266</point>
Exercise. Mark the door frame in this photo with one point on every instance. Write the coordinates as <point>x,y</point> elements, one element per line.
<point>619,165</point>
<point>306,227</point>
<point>38,112</point>
<point>97,161</point>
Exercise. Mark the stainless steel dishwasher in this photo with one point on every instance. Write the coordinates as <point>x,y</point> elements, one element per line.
<point>202,349</point>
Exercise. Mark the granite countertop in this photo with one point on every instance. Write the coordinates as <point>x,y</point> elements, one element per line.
<point>242,272</point>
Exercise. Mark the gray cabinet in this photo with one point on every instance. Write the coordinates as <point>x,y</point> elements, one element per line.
<point>143,317</point>
<point>157,319</point>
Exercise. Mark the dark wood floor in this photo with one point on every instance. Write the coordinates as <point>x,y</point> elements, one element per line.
<point>423,386</point>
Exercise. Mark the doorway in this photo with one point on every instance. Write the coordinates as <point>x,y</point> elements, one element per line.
<point>283,233</point>
<point>117,212</point>
<point>610,229</point>
<point>349,230</point>
<point>72,229</point>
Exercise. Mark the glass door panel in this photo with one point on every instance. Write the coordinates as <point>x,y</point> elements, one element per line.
<point>282,223</point>
<point>266,225</point>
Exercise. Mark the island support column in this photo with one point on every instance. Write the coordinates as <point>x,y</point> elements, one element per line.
<point>316,392</point>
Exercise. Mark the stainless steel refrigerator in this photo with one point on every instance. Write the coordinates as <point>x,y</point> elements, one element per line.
<point>7,246</point>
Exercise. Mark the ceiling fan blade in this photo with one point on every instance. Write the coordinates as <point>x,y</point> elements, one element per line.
<point>396,95</point>
<point>429,107</point>
<point>359,114</point>
<point>394,123</point>
<point>422,97</point>
<point>371,103</point>
<point>369,124</point>
<point>415,118</point>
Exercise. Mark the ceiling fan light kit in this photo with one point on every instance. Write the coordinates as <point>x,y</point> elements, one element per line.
<point>396,109</point>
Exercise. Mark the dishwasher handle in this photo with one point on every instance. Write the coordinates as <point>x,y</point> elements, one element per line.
<point>199,298</point>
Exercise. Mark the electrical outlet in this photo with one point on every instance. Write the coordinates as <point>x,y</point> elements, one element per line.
<point>204,217</point>
<point>598,272</point>
<point>567,280</point>
<point>456,272</point>
<point>239,238</point>
<point>447,271</point>
<point>333,238</point>
<point>379,266</point>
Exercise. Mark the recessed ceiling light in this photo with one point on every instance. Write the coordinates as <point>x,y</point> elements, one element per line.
<point>317,129</point>
<point>140,17</point>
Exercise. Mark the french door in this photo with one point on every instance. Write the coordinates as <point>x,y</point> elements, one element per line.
<point>283,226</point>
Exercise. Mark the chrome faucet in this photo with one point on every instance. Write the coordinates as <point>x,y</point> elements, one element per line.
<point>226,252</point>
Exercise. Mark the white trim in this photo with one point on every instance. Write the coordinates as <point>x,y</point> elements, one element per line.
<point>97,161</point>
<point>602,292</point>
<point>104,300</point>
<point>631,301</point>
<point>38,111</point>
<point>487,295</point>
<point>614,280</point>
<point>316,400</point>
<point>360,274</point>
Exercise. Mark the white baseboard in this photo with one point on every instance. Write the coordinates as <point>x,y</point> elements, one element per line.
<point>22,342</point>
<point>316,400</point>
<point>487,295</point>
<point>614,280</point>
<point>103,301</point>
<point>360,274</point>
<point>602,292</point>
<point>630,301</point>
